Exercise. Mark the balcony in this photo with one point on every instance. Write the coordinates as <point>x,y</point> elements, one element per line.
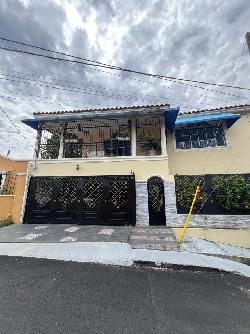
<point>113,147</point>
<point>101,138</point>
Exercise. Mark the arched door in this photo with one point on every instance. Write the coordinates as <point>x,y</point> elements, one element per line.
<point>156,201</point>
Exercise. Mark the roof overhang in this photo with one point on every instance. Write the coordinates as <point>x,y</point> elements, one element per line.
<point>33,123</point>
<point>170,118</point>
<point>229,119</point>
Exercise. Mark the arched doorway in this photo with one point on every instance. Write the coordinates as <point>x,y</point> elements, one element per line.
<point>156,201</point>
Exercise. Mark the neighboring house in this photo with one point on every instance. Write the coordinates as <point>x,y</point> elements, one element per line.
<point>12,185</point>
<point>117,166</point>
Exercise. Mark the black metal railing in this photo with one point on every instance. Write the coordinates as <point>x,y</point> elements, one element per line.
<point>108,148</point>
<point>49,151</point>
<point>148,147</point>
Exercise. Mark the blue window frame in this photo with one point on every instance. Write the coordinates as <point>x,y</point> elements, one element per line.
<point>200,136</point>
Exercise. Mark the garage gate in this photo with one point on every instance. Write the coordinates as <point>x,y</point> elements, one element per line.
<point>92,200</point>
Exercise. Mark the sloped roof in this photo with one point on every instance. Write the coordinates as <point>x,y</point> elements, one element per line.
<point>216,109</point>
<point>139,107</point>
<point>103,109</point>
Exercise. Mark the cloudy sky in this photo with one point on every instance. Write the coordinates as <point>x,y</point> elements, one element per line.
<point>193,39</point>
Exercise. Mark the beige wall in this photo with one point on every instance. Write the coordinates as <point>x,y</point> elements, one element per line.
<point>234,158</point>
<point>5,206</point>
<point>11,206</point>
<point>240,238</point>
<point>143,169</point>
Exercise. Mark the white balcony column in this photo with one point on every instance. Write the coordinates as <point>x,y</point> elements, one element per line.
<point>38,142</point>
<point>163,137</point>
<point>61,148</point>
<point>133,137</point>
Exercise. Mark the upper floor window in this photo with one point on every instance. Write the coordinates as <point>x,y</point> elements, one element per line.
<point>200,136</point>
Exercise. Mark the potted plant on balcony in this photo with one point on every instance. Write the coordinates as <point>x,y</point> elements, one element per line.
<point>151,145</point>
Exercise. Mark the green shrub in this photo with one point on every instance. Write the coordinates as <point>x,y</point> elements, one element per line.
<point>229,191</point>
<point>5,223</point>
<point>247,195</point>
<point>185,190</point>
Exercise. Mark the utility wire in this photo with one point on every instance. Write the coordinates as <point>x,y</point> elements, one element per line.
<point>79,87</point>
<point>237,66</point>
<point>168,80</point>
<point>93,92</point>
<point>16,127</point>
<point>110,89</point>
<point>119,68</point>
<point>26,98</point>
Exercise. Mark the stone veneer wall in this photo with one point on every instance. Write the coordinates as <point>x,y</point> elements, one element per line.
<point>170,201</point>
<point>213,221</point>
<point>177,220</point>
<point>142,217</point>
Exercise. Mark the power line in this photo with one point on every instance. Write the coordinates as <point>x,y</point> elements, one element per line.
<point>182,83</point>
<point>49,85</point>
<point>77,86</point>
<point>114,67</point>
<point>10,120</point>
<point>92,92</point>
<point>26,98</point>
<point>159,97</point>
<point>86,91</point>
<point>179,83</point>
<point>237,66</point>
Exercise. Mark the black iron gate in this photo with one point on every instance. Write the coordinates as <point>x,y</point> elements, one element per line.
<point>156,201</point>
<point>90,200</point>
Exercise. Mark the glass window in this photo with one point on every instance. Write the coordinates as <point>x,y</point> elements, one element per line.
<point>200,136</point>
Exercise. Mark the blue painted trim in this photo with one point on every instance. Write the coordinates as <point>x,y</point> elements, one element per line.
<point>33,123</point>
<point>228,117</point>
<point>170,118</point>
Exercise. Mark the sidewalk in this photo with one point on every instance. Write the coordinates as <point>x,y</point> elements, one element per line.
<point>119,246</point>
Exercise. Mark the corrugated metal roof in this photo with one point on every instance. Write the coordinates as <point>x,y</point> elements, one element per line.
<point>216,109</point>
<point>103,109</point>
<point>139,107</point>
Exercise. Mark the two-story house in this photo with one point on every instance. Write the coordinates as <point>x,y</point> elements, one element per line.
<point>116,166</point>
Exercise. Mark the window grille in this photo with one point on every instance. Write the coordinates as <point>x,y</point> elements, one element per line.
<point>200,136</point>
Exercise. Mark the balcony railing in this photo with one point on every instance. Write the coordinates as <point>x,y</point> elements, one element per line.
<point>108,148</point>
<point>148,147</point>
<point>49,151</point>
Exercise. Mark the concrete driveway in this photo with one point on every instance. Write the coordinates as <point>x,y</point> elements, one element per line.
<point>33,233</point>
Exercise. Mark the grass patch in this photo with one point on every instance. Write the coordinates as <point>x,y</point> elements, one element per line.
<point>5,223</point>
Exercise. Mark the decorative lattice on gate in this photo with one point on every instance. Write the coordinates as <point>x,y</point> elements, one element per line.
<point>67,194</point>
<point>92,192</point>
<point>119,194</point>
<point>43,193</point>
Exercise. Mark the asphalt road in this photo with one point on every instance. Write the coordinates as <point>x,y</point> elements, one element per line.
<point>48,296</point>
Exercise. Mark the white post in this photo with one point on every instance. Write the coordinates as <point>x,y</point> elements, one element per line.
<point>163,137</point>
<point>60,155</point>
<point>133,137</point>
<point>38,142</point>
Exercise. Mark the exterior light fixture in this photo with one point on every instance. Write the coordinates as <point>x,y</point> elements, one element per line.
<point>77,167</point>
<point>34,166</point>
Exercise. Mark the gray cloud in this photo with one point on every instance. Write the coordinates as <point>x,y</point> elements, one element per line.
<point>200,40</point>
